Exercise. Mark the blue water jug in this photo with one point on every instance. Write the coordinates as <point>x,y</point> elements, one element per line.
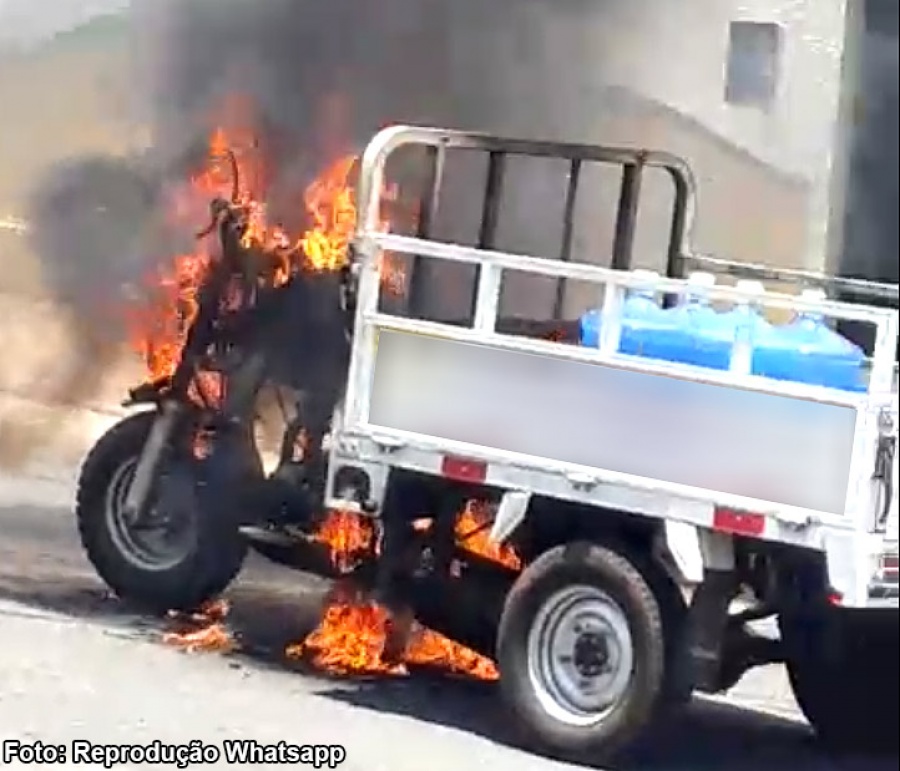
<point>712,334</point>
<point>687,320</point>
<point>712,339</point>
<point>808,351</point>
<point>639,304</point>
<point>643,321</point>
<point>589,328</point>
<point>741,323</point>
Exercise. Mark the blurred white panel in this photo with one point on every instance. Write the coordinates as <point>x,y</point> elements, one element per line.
<point>741,442</point>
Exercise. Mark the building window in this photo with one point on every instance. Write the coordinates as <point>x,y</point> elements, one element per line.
<point>751,78</point>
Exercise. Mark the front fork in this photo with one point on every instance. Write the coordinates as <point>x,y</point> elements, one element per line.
<point>145,473</point>
<point>244,382</point>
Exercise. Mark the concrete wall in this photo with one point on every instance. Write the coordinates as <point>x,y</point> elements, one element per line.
<point>677,54</point>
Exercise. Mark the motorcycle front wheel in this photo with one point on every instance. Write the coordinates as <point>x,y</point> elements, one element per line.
<point>183,551</point>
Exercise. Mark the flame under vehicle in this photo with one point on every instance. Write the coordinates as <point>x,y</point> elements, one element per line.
<point>648,503</point>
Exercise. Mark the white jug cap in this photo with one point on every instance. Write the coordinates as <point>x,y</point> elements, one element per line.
<point>702,278</point>
<point>814,294</point>
<point>750,285</point>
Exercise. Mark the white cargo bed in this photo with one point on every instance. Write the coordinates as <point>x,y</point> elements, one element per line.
<point>726,450</point>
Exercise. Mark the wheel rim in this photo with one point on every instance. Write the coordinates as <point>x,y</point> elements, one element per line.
<point>580,655</point>
<point>167,532</point>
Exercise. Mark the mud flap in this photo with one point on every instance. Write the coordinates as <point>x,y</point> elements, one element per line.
<point>683,544</point>
<point>510,514</point>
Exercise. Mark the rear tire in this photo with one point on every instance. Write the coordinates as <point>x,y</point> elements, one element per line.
<point>213,551</point>
<point>581,650</point>
<point>843,668</point>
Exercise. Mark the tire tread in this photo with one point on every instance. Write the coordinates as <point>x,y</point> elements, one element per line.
<point>623,580</point>
<point>186,586</point>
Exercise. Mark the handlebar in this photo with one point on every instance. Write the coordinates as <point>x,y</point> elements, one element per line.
<point>229,220</point>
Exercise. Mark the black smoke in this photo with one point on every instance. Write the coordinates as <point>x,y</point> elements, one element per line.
<point>85,212</point>
<point>323,77</point>
<point>327,73</point>
<point>318,79</point>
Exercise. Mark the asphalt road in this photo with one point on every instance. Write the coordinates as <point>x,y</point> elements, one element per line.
<point>76,665</point>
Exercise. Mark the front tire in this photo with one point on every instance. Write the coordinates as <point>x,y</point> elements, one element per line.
<point>210,550</point>
<point>843,669</point>
<point>582,653</point>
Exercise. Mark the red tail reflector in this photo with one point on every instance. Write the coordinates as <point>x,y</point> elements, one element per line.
<point>464,469</point>
<point>738,522</point>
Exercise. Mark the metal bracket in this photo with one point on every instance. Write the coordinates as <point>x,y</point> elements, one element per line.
<point>388,443</point>
<point>582,481</point>
<point>795,521</point>
<point>887,422</point>
<point>510,514</point>
<point>717,550</point>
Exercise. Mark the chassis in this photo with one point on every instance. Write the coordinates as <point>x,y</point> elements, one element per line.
<point>647,600</point>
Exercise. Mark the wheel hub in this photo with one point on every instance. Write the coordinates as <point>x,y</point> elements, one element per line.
<point>580,655</point>
<point>164,534</point>
<point>590,654</point>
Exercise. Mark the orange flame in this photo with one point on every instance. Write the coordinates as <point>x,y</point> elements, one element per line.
<point>159,325</point>
<point>351,636</point>
<point>472,534</point>
<point>353,630</point>
<point>203,630</point>
<point>329,200</point>
<point>348,538</point>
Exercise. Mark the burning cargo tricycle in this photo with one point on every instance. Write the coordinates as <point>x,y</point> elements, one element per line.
<point>652,496</point>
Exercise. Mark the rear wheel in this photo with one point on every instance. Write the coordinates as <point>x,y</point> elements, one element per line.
<point>581,651</point>
<point>182,553</point>
<point>843,668</point>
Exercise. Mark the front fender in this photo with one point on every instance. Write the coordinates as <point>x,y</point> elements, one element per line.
<point>149,392</point>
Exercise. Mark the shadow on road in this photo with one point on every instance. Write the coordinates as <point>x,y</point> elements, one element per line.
<point>709,736</point>
<point>42,568</point>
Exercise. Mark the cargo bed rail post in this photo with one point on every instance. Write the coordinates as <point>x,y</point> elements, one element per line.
<point>437,142</point>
